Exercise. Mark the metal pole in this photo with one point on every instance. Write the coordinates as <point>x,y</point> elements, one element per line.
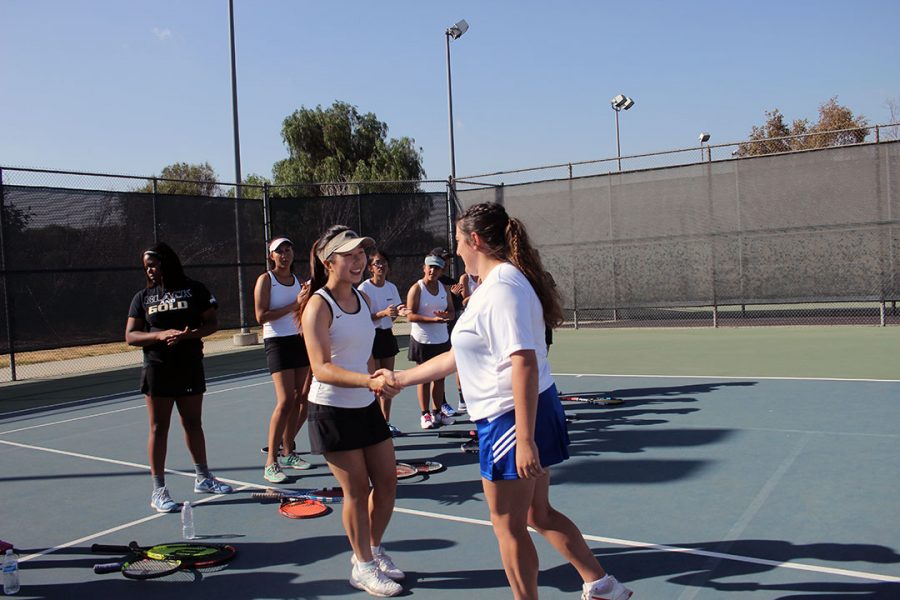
<point>237,172</point>
<point>618,147</point>
<point>7,299</point>
<point>450,114</point>
<point>155,215</point>
<point>451,190</point>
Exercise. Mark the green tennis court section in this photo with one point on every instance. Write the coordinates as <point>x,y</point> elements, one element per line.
<point>751,463</point>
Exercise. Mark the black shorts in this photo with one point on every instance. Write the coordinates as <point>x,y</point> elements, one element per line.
<point>184,378</point>
<point>285,352</point>
<point>419,353</point>
<point>333,429</point>
<point>385,344</point>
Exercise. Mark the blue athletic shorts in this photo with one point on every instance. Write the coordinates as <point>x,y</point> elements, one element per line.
<point>497,438</point>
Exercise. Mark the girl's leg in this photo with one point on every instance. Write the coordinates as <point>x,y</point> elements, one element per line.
<point>285,400</point>
<point>349,468</point>
<point>509,502</point>
<point>561,532</point>
<point>190,408</point>
<point>437,394</point>
<point>385,363</point>
<point>380,461</point>
<point>160,412</point>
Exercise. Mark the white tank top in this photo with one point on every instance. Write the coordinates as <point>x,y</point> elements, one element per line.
<point>430,333</point>
<point>351,337</point>
<point>279,297</point>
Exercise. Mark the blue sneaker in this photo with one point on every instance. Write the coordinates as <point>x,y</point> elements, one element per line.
<point>162,502</point>
<point>447,410</point>
<point>211,485</point>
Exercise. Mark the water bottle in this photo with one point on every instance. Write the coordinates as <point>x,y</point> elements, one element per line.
<point>10,573</point>
<point>187,521</point>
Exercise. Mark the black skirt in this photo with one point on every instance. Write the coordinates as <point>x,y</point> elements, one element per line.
<point>285,352</point>
<point>334,429</point>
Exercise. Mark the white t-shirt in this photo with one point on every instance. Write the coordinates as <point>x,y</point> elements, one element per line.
<point>504,315</point>
<point>280,296</point>
<point>381,298</point>
<point>351,336</point>
<point>430,333</point>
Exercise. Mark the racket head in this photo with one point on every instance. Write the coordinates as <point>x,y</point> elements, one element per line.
<point>470,447</point>
<point>149,568</point>
<point>193,555</point>
<point>301,508</point>
<point>405,471</point>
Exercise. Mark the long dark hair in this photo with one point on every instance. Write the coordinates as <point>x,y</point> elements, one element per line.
<point>505,238</point>
<point>318,275</point>
<point>169,265</point>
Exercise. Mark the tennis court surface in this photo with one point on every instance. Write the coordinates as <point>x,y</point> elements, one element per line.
<point>718,481</point>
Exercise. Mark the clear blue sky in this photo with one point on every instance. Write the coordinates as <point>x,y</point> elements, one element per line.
<point>131,86</point>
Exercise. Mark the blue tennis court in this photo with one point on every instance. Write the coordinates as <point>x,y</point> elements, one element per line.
<point>694,487</point>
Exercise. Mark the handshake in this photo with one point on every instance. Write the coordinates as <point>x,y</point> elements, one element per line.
<point>386,383</point>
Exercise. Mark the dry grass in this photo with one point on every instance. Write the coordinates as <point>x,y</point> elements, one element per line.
<point>56,354</point>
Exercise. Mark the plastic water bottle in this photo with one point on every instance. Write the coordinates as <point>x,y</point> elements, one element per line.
<point>10,573</point>
<point>187,521</point>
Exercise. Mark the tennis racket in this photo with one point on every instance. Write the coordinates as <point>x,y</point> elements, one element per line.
<point>426,466</point>
<point>405,471</point>
<point>595,398</point>
<point>331,495</point>
<point>138,566</point>
<point>301,508</point>
<point>470,434</point>
<point>192,555</point>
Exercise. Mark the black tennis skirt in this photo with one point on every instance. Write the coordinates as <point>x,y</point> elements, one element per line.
<point>285,352</point>
<point>419,353</point>
<point>334,429</point>
<point>385,344</point>
<point>184,378</point>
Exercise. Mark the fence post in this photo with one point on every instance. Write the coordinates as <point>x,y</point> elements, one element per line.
<point>7,299</point>
<point>881,310</point>
<point>155,217</point>
<point>267,215</point>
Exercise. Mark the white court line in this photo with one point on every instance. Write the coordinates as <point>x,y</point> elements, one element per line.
<point>614,541</point>
<point>747,377</point>
<point>691,551</point>
<point>118,410</point>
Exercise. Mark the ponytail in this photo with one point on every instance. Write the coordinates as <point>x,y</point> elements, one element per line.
<point>527,259</point>
<point>318,274</point>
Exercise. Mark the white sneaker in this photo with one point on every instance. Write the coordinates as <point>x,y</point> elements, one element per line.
<point>426,422</point>
<point>385,564</point>
<point>372,580</point>
<point>461,408</point>
<point>440,418</point>
<point>607,588</point>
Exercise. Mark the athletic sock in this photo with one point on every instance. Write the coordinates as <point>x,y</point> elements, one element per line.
<point>202,470</point>
<point>159,481</point>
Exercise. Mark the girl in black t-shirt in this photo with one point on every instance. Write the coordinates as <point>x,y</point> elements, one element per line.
<point>168,319</point>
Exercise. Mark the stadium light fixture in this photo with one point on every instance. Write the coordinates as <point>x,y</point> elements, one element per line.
<point>704,139</point>
<point>619,103</point>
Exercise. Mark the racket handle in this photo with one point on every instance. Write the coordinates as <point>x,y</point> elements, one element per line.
<point>104,568</point>
<point>458,434</point>
<point>109,549</point>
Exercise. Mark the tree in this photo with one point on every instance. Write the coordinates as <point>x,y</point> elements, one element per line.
<point>340,146</point>
<point>186,180</point>
<point>836,127</point>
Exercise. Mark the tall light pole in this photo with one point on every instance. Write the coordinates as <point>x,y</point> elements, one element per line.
<point>618,103</point>
<point>455,32</point>
<point>704,139</point>
<point>244,337</point>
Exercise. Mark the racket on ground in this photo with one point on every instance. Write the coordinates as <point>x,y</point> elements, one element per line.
<point>301,508</point>
<point>470,434</point>
<point>193,555</point>
<point>332,495</point>
<point>426,466</point>
<point>470,447</point>
<point>138,566</point>
<point>405,471</point>
<point>595,398</point>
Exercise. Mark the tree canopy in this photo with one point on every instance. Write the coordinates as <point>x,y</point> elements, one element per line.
<point>837,126</point>
<point>186,179</point>
<point>341,145</point>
